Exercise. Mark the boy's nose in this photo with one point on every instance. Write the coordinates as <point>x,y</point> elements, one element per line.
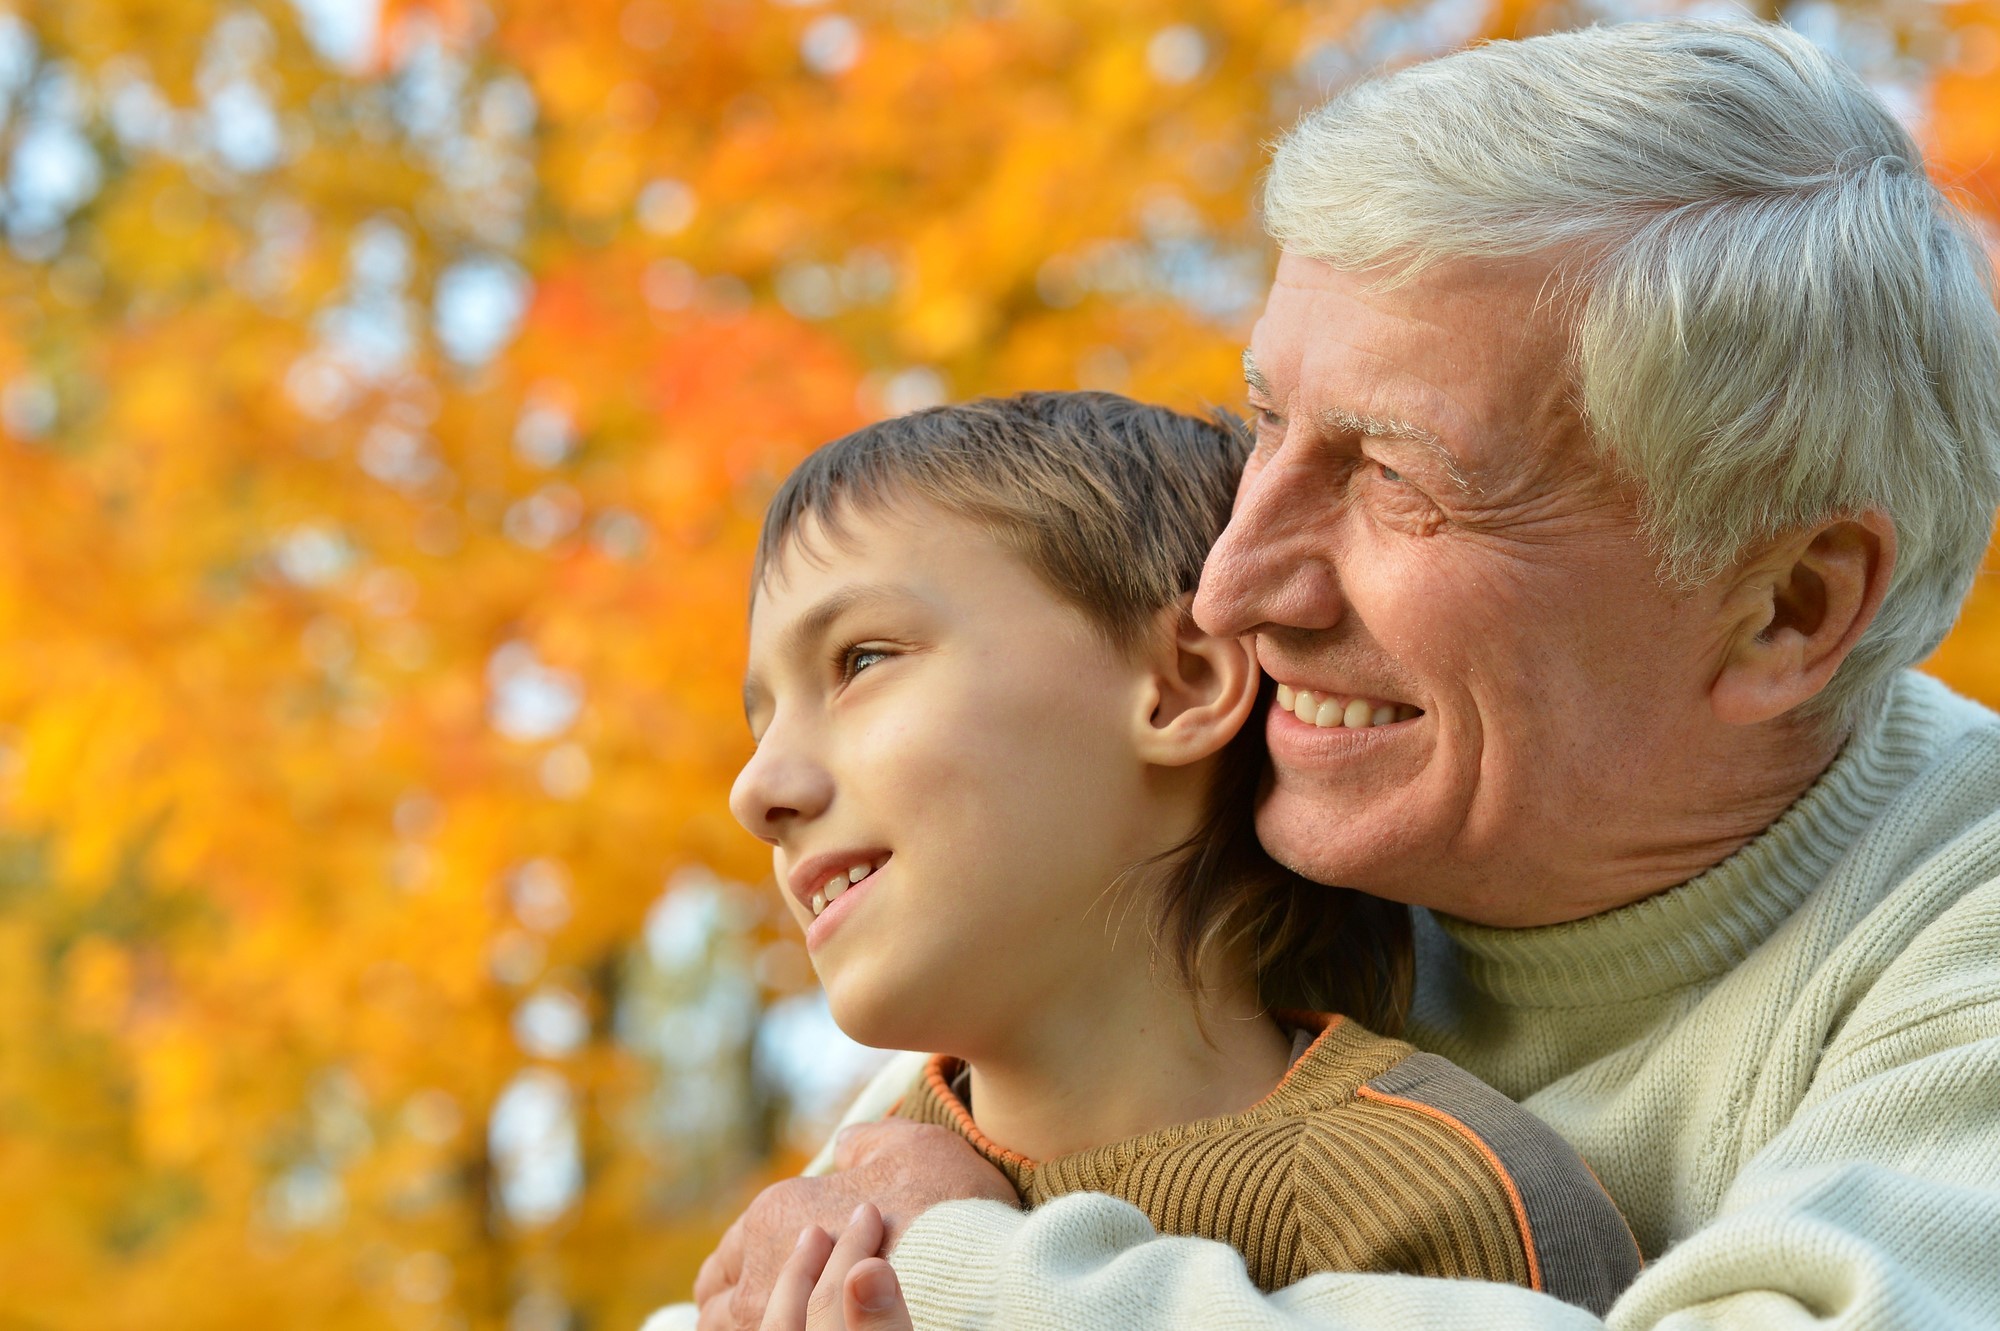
<point>776,791</point>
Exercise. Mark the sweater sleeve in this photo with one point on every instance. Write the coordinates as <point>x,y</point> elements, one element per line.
<point>1872,1207</point>
<point>1090,1261</point>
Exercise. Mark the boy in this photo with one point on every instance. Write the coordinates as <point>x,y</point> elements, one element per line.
<point>1008,787</point>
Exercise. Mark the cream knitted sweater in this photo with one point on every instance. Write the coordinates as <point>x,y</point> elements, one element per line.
<point>1786,1071</point>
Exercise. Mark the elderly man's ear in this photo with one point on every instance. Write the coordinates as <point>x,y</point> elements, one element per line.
<point>1199,691</point>
<point>1797,610</point>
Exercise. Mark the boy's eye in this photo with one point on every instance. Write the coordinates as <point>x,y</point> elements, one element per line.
<point>854,660</point>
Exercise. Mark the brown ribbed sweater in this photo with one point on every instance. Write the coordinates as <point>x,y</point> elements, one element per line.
<point>1368,1156</point>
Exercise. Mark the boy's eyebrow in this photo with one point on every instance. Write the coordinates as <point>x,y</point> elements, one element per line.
<point>813,624</point>
<point>1340,420</point>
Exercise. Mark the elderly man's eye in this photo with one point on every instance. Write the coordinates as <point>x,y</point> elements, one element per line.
<point>1390,474</point>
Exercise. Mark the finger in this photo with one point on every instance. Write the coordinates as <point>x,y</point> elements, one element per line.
<point>717,1312</point>
<point>709,1294</point>
<point>872,1299</point>
<point>721,1268</point>
<point>861,1240</point>
<point>792,1290</point>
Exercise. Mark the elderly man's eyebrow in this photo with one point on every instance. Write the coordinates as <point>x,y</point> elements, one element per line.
<point>1340,421</point>
<point>1343,421</point>
<point>1425,441</point>
<point>1254,376</point>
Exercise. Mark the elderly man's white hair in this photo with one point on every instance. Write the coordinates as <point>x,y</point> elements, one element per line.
<point>1782,321</point>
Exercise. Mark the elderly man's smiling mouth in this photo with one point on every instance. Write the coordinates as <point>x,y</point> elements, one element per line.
<point>1327,709</point>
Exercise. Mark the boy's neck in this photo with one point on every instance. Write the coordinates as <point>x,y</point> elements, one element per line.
<point>1084,1074</point>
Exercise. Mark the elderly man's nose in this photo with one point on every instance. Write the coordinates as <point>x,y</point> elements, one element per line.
<point>777,791</point>
<point>1222,604</point>
<point>1265,568</point>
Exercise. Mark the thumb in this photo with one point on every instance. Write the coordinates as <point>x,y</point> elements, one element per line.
<point>872,1298</point>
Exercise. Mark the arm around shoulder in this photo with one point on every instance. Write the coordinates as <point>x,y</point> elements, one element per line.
<point>1869,1208</point>
<point>1088,1261</point>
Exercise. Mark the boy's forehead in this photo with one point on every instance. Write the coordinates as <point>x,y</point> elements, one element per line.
<point>845,544</point>
<point>916,552</point>
<point>861,554</point>
<point>882,533</point>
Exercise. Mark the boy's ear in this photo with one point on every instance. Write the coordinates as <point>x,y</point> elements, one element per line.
<point>1799,610</point>
<point>1201,691</point>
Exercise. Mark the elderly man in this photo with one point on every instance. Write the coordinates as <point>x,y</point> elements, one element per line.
<point>1629,401</point>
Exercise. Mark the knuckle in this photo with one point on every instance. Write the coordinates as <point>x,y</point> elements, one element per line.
<point>822,1304</point>
<point>768,1209</point>
<point>745,1313</point>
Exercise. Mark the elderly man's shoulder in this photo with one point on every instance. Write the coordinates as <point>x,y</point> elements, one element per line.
<point>1930,930</point>
<point>1934,997</point>
<point>1945,749</point>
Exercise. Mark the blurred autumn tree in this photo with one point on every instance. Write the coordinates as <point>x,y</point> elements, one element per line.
<point>386,403</point>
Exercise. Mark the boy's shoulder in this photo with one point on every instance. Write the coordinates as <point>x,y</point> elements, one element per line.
<point>1367,1156</point>
<point>1492,1151</point>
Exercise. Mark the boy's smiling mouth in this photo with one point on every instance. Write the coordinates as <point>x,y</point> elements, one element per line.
<point>824,879</point>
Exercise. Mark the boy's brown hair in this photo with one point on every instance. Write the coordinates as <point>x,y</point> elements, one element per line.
<point>1114,504</point>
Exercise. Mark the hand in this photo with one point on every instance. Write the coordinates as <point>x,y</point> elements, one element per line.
<point>903,1168</point>
<point>843,1286</point>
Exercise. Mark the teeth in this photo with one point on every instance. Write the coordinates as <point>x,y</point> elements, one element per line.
<point>1328,712</point>
<point>836,885</point>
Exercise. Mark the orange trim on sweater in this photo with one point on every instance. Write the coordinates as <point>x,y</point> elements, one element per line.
<point>1304,1020</point>
<point>1479,1144</point>
<point>941,1087</point>
<point>940,1084</point>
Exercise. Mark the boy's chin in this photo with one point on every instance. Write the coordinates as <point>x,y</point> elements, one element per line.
<point>885,1017</point>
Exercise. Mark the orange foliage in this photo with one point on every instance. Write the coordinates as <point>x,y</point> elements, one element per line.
<point>366,668</point>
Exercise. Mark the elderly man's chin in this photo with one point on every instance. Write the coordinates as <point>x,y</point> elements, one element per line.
<point>1376,830</point>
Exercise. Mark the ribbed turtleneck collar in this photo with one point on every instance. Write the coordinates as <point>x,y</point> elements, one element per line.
<point>1708,924</point>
